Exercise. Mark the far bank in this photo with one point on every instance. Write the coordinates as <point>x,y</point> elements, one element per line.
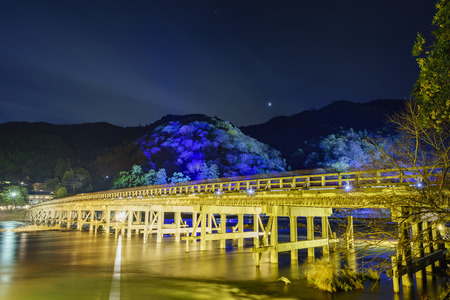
<point>14,215</point>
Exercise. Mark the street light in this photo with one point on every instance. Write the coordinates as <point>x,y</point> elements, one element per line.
<point>13,195</point>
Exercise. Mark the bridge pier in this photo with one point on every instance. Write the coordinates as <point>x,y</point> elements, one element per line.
<point>130,222</point>
<point>417,253</point>
<point>310,236</point>
<point>203,231</point>
<point>79,218</point>
<point>69,219</point>
<point>177,221</point>
<point>294,236</point>
<point>349,242</point>
<point>108,221</point>
<point>91,223</point>
<point>256,224</point>
<point>240,230</point>
<point>274,240</point>
<point>223,229</point>
<point>325,235</point>
<point>207,220</point>
<point>159,234</point>
<point>294,245</point>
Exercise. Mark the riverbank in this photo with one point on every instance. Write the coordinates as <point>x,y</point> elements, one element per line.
<point>14,215</point>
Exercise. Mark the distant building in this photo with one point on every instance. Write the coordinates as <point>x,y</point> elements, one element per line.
<point>39,196</point>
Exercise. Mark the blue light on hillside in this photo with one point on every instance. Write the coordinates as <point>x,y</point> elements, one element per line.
<point>207,148</point>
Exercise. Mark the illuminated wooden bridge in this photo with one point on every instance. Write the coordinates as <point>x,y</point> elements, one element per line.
<point>142,210</point>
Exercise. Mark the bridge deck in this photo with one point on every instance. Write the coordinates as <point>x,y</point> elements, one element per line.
<point>349,189</point>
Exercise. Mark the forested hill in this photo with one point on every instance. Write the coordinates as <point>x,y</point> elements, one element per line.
<point>41,151</point>
<point>86,140</point>
<point>303,131</point>
<point>38,150</point>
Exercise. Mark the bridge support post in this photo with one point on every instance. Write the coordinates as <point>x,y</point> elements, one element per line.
<point>138,220</point>
<point>274,240</point>
<point>406,254</point>
<point>203,232</point>
<point>69,219</point>
<point>52,218</point>
<point>418,246</point>
<point>437,244</point>
<point>210,221</point>
<point>256,229</point>
<point>348,237</point>
<point>130,223</point>
<point>194,219</point>
<point>395,278</point>
<point>310,235</point>
<point>294,236</point>
<point>325,235</point>
<point>108,220</point>
<point>223,229</point>
<point>91,223</point>
<point>159,234</point>
<point>80,220</point>
<point>146,215</point>
<point>177,221</point>
<point>428,249</point>
<point>240,229</point>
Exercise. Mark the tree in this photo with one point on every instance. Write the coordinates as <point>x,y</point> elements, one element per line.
<point>15,195</point>
<point>178,177</point>
<point>344,151</point>
<point>60,168</point>
<point>432,89</point>
<point>61,192</point>
<point>161,177</point>
<point>135,177</point>
<point>52,184</point>
<point>421,152</point>
<point>76,181</point>
<point>208,171</point>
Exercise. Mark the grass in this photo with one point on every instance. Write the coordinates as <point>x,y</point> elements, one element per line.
<point>325,276</point>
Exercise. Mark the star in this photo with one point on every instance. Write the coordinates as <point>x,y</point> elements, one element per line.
<point>269,104</point>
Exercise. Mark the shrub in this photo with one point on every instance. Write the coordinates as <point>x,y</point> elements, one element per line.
<point>325,276</point>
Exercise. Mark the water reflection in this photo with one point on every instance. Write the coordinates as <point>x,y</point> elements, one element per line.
<point>80,265</point>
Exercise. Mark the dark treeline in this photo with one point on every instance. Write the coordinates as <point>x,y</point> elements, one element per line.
<point>87,157</point>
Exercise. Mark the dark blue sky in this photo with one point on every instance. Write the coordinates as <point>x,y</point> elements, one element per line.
<point>131,62</point>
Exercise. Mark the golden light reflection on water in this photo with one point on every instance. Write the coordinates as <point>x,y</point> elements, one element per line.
<point>80,265</point>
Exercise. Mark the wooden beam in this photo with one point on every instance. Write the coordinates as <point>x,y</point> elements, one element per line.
<point>305,244</point>
<point>224,236</point>
<point>418,264</point>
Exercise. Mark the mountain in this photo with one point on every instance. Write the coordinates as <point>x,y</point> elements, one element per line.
<point>288,134</point>
<point>203,147</point>
<point>86,140</point>
<point>41,150</point>
<point>34,150</point>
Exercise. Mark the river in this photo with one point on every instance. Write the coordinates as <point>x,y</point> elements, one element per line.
<point>80,265</point>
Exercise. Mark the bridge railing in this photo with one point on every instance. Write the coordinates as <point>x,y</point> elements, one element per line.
<point>251,185</point>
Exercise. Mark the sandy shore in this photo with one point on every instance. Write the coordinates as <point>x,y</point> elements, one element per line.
<point>14,215</point>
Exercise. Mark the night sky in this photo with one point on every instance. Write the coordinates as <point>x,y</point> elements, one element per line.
<point>131,62</point>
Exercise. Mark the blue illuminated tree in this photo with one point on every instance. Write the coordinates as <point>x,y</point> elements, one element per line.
<point>160,177</point>
<point>203,148</point>
<point>178,177</point>
<point>344,151</point>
